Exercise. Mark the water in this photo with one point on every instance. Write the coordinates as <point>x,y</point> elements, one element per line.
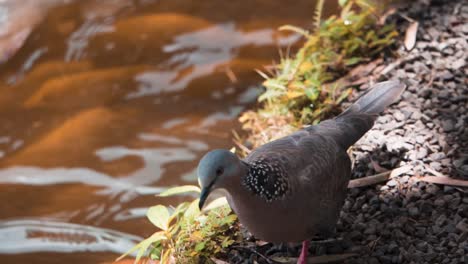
<point>105,103</point>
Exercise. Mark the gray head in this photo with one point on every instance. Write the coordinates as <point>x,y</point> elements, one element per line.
<point>217,169</point>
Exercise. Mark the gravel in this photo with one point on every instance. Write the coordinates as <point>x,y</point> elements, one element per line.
<point>418,222</point>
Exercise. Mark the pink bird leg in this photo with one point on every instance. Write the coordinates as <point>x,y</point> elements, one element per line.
<point>305,249</point>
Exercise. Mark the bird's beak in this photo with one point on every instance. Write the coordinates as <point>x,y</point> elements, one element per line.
<point>203,195</point>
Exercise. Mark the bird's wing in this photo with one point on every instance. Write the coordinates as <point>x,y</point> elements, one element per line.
<point>308,159</point>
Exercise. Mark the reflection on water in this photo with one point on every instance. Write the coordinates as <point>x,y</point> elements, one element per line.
<point>26,236</point>
<point>105,103</point>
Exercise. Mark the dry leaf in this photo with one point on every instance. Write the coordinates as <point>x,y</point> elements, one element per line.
<point>410,36</point>
<point>384,17</point>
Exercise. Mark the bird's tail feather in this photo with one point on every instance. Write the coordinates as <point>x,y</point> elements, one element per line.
<point>354,122</point>
<point>377,99</point>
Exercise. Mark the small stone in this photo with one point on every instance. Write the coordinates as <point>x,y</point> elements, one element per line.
<point>448,125</point>
<point>370,230</point>
<point>432,189</point>
<point>420,139</point>
<point>435,165</point>
<point>437,156</point>
<point>450,228</point>
<point>444,94</point>
<point>440,220</point>
<point>448,189</point>
<point>399,116</point>
<point>413,211</point>
<point>453,204</point>
<point>422,246</point>
<point>439,202</point>
<point>392,183</point>
<point>462,225</point>
<point>463,170</point>
<point>421,153</point>
<point>425,93</point>
<point>447,197</point>
<point>426,207</point>
<point>458,64</point>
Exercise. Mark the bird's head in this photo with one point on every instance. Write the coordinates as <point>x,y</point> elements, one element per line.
<point>217,169</point>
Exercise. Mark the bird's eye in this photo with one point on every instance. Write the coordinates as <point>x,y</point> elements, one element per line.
<point>219,171</point>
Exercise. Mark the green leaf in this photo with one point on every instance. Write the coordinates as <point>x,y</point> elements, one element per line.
<point>200,246</point>
<point>270,94</point>
<point>273,83</point>
<point>312,93</point>
<point>159,216</point>
<point>180,190</point>
<point>178,211</point>
<point>352,61</point>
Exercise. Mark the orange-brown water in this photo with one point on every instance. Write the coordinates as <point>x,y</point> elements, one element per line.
<point>108,102</point>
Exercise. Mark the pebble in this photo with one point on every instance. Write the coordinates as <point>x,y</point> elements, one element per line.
<point>448,125</point>
<point>391,183</point>
<point>413,211</point>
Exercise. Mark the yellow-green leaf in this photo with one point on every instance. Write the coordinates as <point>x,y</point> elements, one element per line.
<point>180,190</point>
<point>294,94</point>
<point>200,246</point>
<point>342,2</point>
<point>299,30</point>
<point>159,216</point>
<point>143,246</point>
<point>216,203</point>
<point>193,209</point>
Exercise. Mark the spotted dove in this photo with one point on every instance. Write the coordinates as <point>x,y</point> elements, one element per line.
<point>293,188</point>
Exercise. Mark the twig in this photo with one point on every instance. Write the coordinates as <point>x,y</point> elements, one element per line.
<point>444,181</point>
<point>377,178</point>
<point>435,173</point>
<point>391,66</point>
<point>369,180</point>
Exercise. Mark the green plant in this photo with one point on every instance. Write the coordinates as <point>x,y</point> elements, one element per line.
<point>300,89</point>
<point>188,235</point>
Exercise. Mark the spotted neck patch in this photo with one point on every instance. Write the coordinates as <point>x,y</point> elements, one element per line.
<point>267,180</point>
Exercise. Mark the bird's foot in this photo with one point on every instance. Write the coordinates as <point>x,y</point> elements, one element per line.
<point>304,252</point>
